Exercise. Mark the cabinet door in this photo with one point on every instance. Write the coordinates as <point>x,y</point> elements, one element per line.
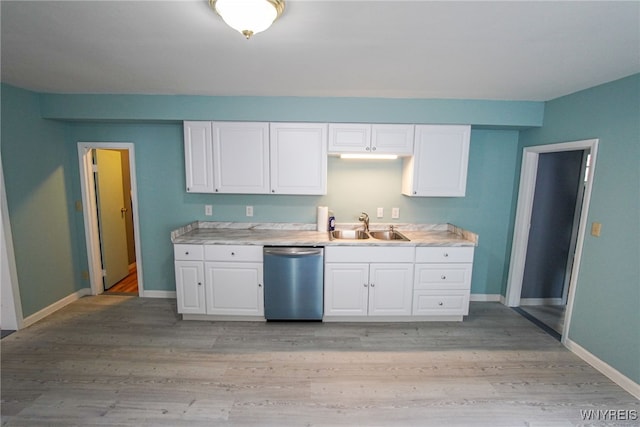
<point>392,139</point>
<point>241,157</point>
<point>349,138</point>
<point>439,165</point>
<point>190,287</point>
<point>198,157</point>
<point>298,158</point>
<point>346,289</point>
<point>234,288</point>
<point>390,289</point>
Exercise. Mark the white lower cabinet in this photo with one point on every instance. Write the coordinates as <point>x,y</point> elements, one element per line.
<point>355,288</point>
<point>442,283</point>
<point>220,281</point>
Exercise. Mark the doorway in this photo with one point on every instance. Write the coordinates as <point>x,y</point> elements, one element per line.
<point>553,201</point>
<point>109,197</point>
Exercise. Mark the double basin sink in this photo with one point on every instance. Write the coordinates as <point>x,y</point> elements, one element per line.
<point>361,235</point>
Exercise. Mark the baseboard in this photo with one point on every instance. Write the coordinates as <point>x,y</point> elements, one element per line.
<point>540,301</point>
<point>30,320</point>
<point>607,370</point>
<point>159,294</point>
<point>485,297</point>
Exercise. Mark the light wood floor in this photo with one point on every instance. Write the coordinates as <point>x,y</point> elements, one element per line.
<point>80,367</point>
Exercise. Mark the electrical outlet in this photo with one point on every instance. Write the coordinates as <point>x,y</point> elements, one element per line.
<point>249,211</point>
<point>596,228</point>
<point>208,210</point>
<point>380,213</point>
<point>395,213</point>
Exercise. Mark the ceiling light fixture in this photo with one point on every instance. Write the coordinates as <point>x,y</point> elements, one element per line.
<point>369,156</point>
<point>249,17</point>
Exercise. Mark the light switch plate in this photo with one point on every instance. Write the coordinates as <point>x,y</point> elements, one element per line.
<point>380,213</point>
<point>208,210</point>
<point>249,211</point>
<point>395,213</point>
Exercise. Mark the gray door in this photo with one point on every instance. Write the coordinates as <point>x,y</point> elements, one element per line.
<point>558,188</point>
<point>112,210</point>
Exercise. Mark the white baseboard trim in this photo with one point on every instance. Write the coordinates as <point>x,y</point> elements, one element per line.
<point>607,370</point>
<point>540,301</point>
<point>485,297</point>
<point>159,294</point>
<point>30,320</point>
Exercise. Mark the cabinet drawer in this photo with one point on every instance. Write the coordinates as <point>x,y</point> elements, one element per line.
<point>443,276</point>
<point>368,254</point>
<point>188,252</point>
<point>233,253</point>
<point>429,303</point>
<point>444,254</point>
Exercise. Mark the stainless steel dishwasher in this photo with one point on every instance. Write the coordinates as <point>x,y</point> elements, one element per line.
<point>293,283</point>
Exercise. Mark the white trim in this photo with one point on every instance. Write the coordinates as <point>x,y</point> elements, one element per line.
<point>30,320</point>
<point>540,301</point>
<point>159,294</point>
<point>607,370</point>
<point>90,210</point>
<point>523,221</point>
<point>12,317</point>
<point>485,297</point>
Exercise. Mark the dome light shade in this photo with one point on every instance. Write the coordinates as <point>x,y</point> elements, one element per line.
<point>248,17</point>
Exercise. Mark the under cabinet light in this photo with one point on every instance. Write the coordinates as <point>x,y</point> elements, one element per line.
<point>369,156</point>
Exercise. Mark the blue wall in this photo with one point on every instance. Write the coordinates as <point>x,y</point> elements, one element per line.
<point>606,313</point>
<point>40,178</point>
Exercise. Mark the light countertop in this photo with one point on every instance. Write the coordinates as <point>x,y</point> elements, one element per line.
<point>291,234</point>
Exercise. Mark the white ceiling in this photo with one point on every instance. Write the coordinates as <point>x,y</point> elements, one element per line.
<point>519,50</point>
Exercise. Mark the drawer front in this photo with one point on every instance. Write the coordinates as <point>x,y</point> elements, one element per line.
<point>444,254</point>
<point>433,303</point>
<point>233,253</point>
<point>369,254</point>
<point>442,276</point>
<point>188,252</point>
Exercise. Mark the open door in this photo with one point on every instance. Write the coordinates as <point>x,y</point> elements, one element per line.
<point>112,214</point>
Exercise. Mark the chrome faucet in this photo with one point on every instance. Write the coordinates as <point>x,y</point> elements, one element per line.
<point>364,218</point>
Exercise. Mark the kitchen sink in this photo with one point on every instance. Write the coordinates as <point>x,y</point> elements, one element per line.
<point>388,235</point>
<point>348,234</point>
<point>362,235</point>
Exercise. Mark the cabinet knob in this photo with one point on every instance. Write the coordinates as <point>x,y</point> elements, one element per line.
<point>415,192</point>
<point>368,148</point>
<point>186,253</point>
<point>233,253</point>
<point>373,148</point>
<point>216,190</point>
<point>440,303</point>
<point>443,277</point>
<point>373,285</point>
<point>365,285</point>
<point>259,285</point>
<point>446,255</point>
<point>199,283</point>
<point>273,191</point>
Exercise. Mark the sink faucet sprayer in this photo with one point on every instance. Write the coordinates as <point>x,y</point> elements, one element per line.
<point>364,218</point>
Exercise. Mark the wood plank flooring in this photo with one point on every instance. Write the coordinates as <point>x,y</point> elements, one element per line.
<point>80,367</point>
<point>128,285</point>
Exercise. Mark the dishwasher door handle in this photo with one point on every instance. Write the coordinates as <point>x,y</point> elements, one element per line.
<point>286,251</point>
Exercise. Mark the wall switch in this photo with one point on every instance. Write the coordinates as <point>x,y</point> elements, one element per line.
<point>380,213</point>
<point>595,229</point>
<point>208,210</point>
<point>249,211</point>
<point>395,213</point>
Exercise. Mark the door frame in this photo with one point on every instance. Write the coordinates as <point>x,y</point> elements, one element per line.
<point>528,175</point>
<point>90,211</point>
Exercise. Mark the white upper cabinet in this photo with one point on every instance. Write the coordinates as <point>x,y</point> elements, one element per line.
<point>374,139</point>
<point>198,157</point>
<point>438,167</point>
<point>241,157</point>
<point>298,158</point>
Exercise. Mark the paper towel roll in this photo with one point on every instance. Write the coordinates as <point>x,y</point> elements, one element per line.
<point>322,218</point>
